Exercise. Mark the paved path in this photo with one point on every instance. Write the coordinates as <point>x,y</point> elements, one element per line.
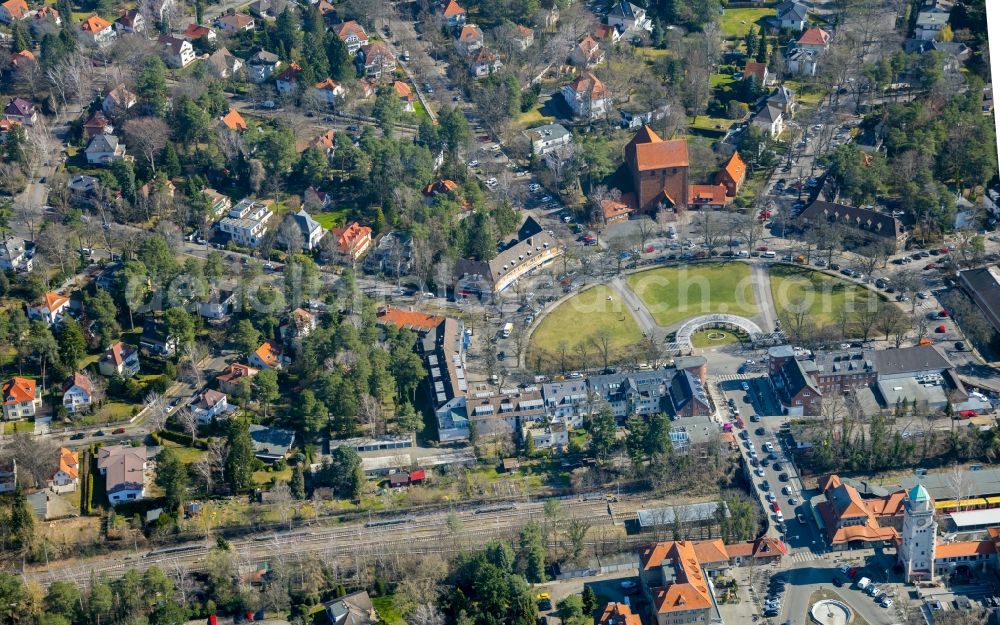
<point>638,309</point>
<point>760,279</point>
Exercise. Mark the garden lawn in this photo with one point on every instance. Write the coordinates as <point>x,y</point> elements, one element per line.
<point>187,455</point>
<point>701,338</point>
<point>330,219</point>
<point>736,23</point>
<point>534,117</point>
<point>579,318</point>
<point>824,294</point>
<point>673,294</point>
<point>387,611</point>
<point>110,412</point>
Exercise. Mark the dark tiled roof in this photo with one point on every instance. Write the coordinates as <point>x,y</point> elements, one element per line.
<point>867,220</point>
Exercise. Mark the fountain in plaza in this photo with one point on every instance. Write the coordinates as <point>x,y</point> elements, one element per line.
<point>831,612</point>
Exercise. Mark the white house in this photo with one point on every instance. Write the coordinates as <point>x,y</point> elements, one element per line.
<point>78,393</point>
<point>235,23</point>
<point>130,21</point>
<point>770,119</point>
<point>814,39</point>
<point>98,30</point>
<point>268,356</point>
<point>177,53</point>
<point>104,150</point>
<point>930,24</point>
<point>311,231</point>
<point>262,66</point>
<point>791,15</point>
<point>484,62</point>
<point>287,81</point>
<point>300,323</point>
<point>626,16</point>
<point>247,222</point>
<point>121,359</point>
<point>14,256</point>
<point>8,475</point>
<point>353,35</point>
<point>67,474</point>
<point>224,64</point>
<point>118,100</point>
<point>545,139</point>
<point>50,309</point>
<point>21,399</point>
<point>124,470</point>
<point>586,96</point>
<point>210,405</point>
<point>328,91</point>
<point>801,62</point>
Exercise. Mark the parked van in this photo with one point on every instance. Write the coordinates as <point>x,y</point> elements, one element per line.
<point>863,583</point>
<point>507,329</point>
<point>769,255</point>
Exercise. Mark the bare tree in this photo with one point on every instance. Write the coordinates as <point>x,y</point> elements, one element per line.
<point>749,228</point>
<point>290,235</point>
<point>156,411</point>
<point>281,497</point>
<point>188,421</point>
<point>370,411</point>
<point>148,135</point>
<point>425,614</point>
<point>709,228</point>
<point>35,456</point>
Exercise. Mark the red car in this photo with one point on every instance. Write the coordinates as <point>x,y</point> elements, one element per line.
<point>739,423</point>
<point>851,572</point>
<point>940,329</point>
<point>774,506</point>
<point>943,313</point>
<point>650,249</point>
<point>944,250</point>
<point>764,215</point>
<point>761,248</point>
<point>118,431</point>
<point>929,266</point>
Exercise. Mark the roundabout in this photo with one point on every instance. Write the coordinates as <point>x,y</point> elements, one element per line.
<point>831,612</point>
<point>717,321</point>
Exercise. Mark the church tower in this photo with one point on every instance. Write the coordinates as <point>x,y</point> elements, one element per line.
<point>919,536</point>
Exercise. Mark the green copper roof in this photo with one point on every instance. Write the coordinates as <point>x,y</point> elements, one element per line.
<point>919,493</point>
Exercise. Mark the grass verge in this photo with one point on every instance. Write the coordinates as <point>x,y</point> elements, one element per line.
<point>673,294</point>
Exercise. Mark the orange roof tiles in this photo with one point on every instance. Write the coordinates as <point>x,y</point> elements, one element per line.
<point>350,236</point>
<point>22,58</point>
<point>269,353</point>
<point>689,591</point>
<point>402,89</point>
<point>965,549</point>
<point>469,32</point>
<point>68,463</point>
<point>453,8</point>
<point>735,168</point>
<point>814,37</point>
<point>351,27</point>
<point>710,551</point>
<point>588,83</point>
<point>618,614</point>
<point>327,84</point>
<point>233,120</point>
<point>197,31</point>
<point>706,194</point>
<point>235,371</point>
<point>614,208</point>
<point>324,141</point>
<point>53,301</point>
<point>18,390</point>
<point>94,24</point>
<point>648,151</point>
<point>16,8</point>
<point>757,70</point>
<point>409,319</point>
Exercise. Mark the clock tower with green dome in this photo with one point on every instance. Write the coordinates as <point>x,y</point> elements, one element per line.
<point>919,535</point>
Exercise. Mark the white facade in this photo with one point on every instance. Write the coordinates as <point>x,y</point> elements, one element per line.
<point>247,222</point>
<point>76,399</point>
<point>918,540</point>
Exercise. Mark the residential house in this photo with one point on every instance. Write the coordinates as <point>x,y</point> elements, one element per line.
<point>484,62</point>
<point>470,38</point>
<point>67,473</point>
<point>770,119</point>
<point>800,62</point>
<point>523,37</point>
<point>688,397</point>
<point>814,39</point>
<point>14,256</point>
<point>230,380</point>
<point>567,401</point>
<point>271,444</point>
<point>672,576</point>
<point>707,196</point>
<point>235,23</point>
<point>269,355</point>
<point>13,10</point>
<point>784,98</point>
<point>545,139</point>
<point>287,81</point>
<point>8,475</point>
<point>793,384</point>
<point>97,30</point>
<point>353,240</point>
<point>327,144</point>
<point>233,121</point>
<point>353,609</point>
<point>263,9</point>
<point>659,171</point>
<point>121,359</point>
<point>219,305</point>
<point>246,223</point>
<point>614,211</point>
<point>514,410</point>
<point>118,100</point>
<point>627,17</point>
<point>376,60</point>
<point>224,64</point>
<point>23,60</point>
<point>608,34</point>
<point>525,256</point>
<point>194,32</point>
<point>756,71</point>
<point>8,126</point>
<point>864,224</point>
<point>586,96</point>
<point>552,435</point>
<point>300,323</point>
<point>588,53</point>
<point>209,406</point>
<point>78,393</point>
<point>329,91</point>
<point>454,14</point>
<point>326,10</point>
<point>405,95</point>
<point>366,88</point>
<point>156,339</point>
<point>310,229</point>
<point>930,24</point>
<point>124,470</point>
<point>219,204</point>
<point>82,188</point>
<point>618,614</point>
<point>790,15</point>
<point>392,257</point>
<point>177,53</point>
<point>21,399</point>
<point>636,115</point>
<point>262,65</point>
<point>353,35</point>
<point>98,124</point>
<point>50,308</point>
<point>46,13</point>
<point>21,111</point>
<point>732,175</point>
<point>104,150</point>
<point>130,21</point>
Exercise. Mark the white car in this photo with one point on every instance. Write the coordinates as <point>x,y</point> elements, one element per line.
<point>473,163</point>
<point>492,182</point>
<point>759,471</point>
<point>780,518</point>
<point>746,387</point>
<point>769,446</point>
<point>886,603</point>
<point>534,187</point>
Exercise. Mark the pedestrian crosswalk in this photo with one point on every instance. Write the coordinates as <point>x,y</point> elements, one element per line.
<point>803,555</point>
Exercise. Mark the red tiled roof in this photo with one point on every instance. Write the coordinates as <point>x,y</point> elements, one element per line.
<point>197,31</point>
<point>327,84</point>
<point>649,151</point>
<point>16,8</point>
<point>409,319</point>
<point>706,194</point>
<point>351,27</point>
<point>233,120</point>
<point>757,70</point>
<point>735,168</point>
<point>68,463</point>
<point>588,83</point>
<point>94,24</point>
<point>618,614</point>
<point>235,371</point>
<point>79,379</point>
<point>814,37</point>
<point>17,390</point>
<point>964,549</point>
<point>453,8</point>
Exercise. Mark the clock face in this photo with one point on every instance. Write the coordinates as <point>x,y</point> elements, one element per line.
<point>921,522</point>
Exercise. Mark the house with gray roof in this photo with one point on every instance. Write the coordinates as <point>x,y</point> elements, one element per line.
<point>354,609</point>
<point>474,277</point>
<point>271,444</point>
<point>864,224</point>
<point>983,286</point>
<point>791,15</point>
<point>105,149</point>
<point>311,231</point>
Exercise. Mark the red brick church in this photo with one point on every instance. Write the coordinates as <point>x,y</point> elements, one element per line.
<point>659,170</point>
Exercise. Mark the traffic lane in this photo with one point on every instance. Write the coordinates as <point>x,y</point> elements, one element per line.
<point>804,581</point>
